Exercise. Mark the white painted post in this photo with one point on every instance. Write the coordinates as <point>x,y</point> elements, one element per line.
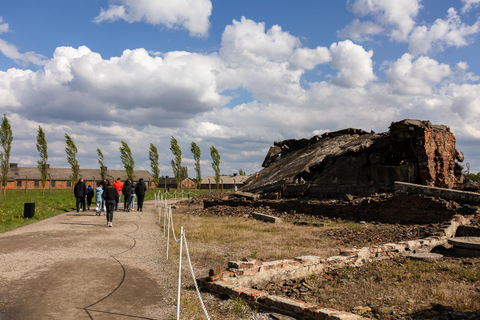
<point>179,274</point>
<point>168,236</point>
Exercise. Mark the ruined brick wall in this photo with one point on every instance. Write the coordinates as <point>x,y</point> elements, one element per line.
<point>436,151</point>
<point>402,208</point>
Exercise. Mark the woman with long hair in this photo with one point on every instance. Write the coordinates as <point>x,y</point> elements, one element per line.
<point>110,195</point>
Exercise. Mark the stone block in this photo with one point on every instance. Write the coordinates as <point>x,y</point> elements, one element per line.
<point>266,218</point>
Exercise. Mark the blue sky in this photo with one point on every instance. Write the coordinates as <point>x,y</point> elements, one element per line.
<point>238,75</point>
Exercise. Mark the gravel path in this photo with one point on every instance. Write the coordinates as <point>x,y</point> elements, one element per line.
<point>74,267</point>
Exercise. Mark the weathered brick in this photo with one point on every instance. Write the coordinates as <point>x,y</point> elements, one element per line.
<point>215,271</point>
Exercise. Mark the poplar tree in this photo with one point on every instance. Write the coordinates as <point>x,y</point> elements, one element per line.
<point>153,156</point>
<point>103,168</point>
<point>176,161</point>
<point>127,159</point>
<point>6,138</point>
<point>71,151</point>
<point>215,164</point>
<point>196,156</point>
<point>42,150</point>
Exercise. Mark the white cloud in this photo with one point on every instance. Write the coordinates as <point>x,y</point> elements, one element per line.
<point>442,34</point>
<point>257,60</point>
<point>3,26</point>
<point>245,42</point>
<point>398,16</point>
<point>11,51</point>
<point>354,64</point>
<point>360,31</point>
<point>462,75</point>
<point>418,77</point>
<point>192,15</point>
<point>308,59</point>
<point>143,98</point>
<point>397,19</point>
<point>79,84</point>
<point>469,5</point>
<point>466,99</point>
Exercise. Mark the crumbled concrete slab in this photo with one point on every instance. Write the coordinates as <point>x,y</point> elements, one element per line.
<point>466,246</point>
<point>266,218</point>
<point>425,256</point>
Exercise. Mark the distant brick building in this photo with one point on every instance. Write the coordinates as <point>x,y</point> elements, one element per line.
<point>59,178</point>
<point>169,182</point>
<point>226,182</point>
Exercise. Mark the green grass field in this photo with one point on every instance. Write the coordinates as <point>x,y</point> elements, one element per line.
<point>48,205</point>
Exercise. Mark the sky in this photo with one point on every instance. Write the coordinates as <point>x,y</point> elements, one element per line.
<point>236,75</point>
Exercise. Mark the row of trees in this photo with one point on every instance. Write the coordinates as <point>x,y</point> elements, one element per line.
<point>180,172</point>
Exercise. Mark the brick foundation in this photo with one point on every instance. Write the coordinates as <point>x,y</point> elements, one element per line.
<point>238,278</point>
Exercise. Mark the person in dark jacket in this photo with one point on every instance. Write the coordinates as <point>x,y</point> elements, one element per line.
<point>80,192</point>
<point>90,194</point>
<point>140,189</point>
<point>127,191</point>
<point>110,195</point>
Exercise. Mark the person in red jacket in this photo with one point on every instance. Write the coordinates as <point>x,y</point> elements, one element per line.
<point>119,186</point>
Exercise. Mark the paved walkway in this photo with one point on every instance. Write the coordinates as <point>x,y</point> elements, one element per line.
<point>74,267</point>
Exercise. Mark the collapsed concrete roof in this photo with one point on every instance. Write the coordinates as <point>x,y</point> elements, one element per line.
<point>359,162</point>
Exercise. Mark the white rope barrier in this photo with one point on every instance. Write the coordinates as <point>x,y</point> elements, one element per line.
<point>167,219</point>
<point>194,278</point>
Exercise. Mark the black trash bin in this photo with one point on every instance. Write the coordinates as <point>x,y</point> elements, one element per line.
<point>29,210</point>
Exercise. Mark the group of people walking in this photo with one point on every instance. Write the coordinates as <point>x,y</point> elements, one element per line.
<point>108,195</point>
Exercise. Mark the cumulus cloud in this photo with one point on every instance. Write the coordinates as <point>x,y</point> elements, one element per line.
<point>397,19</point>
<point>192,15</point>
<point>144,97</point>
<point>462,75</point>
<point>257,60</point>
<point>354,64</point>
<point>79,84</point>
<point>469,5</point>
<point>416,77</point>
<point>442,34</point>
<point>246,42</point>
<point>398,16</point>
<point>466,101</point>
<point>12,52</point>
<point>360,31</point>
<point>3,26</point>
<point>308,59</point>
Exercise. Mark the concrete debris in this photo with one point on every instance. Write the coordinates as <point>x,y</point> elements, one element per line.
<point>357,162</point>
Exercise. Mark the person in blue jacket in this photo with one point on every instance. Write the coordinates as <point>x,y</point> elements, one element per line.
<point>90,194</point>
<point>99,200</point>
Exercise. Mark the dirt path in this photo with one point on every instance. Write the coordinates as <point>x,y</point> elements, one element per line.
<point>74,267</point>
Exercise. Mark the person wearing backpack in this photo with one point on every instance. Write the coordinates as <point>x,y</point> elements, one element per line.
<point>111,197</point>
<point>140,189</point>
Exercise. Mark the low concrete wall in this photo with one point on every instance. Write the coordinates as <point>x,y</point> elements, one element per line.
<point>238,278</point>
<point>457,195</point>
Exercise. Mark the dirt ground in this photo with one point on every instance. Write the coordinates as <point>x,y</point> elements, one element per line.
<point>380,298</point>
<point>74,267</point>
